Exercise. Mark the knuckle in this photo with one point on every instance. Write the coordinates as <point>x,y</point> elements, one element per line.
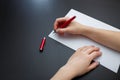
<point>94,49</point>
<point>78,49</point>
<point>95,53</point>
<point>88,57</point>
<point>57,19</point>
<point>84,46</point>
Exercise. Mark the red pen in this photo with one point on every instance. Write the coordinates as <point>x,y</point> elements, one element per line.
<point>67,22</point>
<point>42,44</point>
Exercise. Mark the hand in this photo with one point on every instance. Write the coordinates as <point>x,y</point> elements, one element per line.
<point>72,28</point>
<point>79,63</point>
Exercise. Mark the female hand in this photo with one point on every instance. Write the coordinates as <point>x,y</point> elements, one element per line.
<point>72,28</point>
<point>79,63</point>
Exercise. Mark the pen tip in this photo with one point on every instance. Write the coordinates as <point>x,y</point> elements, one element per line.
<point>54,31</point>
<point>74,16</point>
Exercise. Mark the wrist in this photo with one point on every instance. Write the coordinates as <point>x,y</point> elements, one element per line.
<point>86,31</point>
<point>64,73</point>
<point>67,72</point>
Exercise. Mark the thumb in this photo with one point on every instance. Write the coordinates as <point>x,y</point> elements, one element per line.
<point>61,31</point>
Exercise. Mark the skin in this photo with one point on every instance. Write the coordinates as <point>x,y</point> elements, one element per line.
<point>80,62</point>
<point>104,37</point>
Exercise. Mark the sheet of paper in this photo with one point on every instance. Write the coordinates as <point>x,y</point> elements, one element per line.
<point>109,59</point>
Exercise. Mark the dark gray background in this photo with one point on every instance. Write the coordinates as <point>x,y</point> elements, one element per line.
<point>23,23</point>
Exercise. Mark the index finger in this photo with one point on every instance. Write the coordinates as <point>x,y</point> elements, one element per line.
<point>59,20</point>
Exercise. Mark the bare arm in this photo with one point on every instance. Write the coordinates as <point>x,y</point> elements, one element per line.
<point>108,38</point>
<point>78,64</point>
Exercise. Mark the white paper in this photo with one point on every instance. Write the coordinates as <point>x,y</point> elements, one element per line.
<point>110,58</point>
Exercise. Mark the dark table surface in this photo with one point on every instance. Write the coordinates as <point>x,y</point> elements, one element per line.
<point>23,23</point>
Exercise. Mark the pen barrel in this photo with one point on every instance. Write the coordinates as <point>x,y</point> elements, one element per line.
<point>68,22</point>
<point>42,44</point>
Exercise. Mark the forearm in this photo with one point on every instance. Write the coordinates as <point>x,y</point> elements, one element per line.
<point>78,64</point>
<point>108,38</point>
<point>63,73</point>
